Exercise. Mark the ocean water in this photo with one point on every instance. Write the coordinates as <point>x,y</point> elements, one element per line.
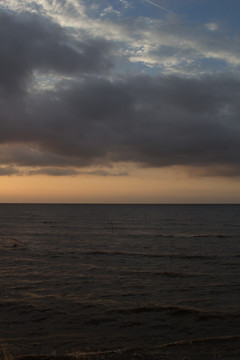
<point>90,278</point>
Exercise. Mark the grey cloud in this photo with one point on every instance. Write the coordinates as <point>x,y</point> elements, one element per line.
<point>8,171</point>
<point>72,172</point>
<point>226,171</point>
<point>31,42</point>
<point>104,173</point>
<point>53,172</point>
<point>27,154</point>
<point>153,121</point>
<point>160,121</point>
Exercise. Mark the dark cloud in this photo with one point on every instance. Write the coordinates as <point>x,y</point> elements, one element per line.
<point>8,171</point>
<point>53,172</point>
<point>157,121</point>
<point>154,121</point>
<point>31,42</point>
<point>216,170</point>
<point>104,173</point>
<point>72,172</point>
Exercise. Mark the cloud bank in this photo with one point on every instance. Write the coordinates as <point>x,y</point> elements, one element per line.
<point>65,102</point>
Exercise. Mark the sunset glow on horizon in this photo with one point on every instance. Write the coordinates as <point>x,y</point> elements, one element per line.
<point>119,101</point>
<point>155,186</point>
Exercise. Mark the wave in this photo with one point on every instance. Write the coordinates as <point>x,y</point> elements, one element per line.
<point>170,274</point>
<point>161,273</point>
<point>145,232</point>
<point>199,348</point>
<point>137,254</point>
<point>175,311</point>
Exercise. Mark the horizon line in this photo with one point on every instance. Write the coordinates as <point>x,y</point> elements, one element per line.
<point>113,203</point>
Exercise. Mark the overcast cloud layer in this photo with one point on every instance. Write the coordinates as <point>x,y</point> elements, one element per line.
<point>83,85</point>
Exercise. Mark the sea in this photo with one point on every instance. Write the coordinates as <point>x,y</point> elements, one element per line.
<point>107,280</point>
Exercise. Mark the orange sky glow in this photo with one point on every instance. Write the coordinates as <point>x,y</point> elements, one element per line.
<point>145,186</point>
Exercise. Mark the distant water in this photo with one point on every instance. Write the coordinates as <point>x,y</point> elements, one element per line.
<point>101,277</point>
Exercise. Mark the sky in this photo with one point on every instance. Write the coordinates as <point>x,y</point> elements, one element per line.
<point>121,101</point>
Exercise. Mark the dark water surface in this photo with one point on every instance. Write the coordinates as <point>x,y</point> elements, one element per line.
<point>101,277</point>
